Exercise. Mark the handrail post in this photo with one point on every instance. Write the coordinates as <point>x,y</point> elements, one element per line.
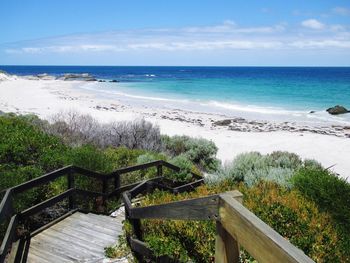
<point>117,183</point>
<point>104,191</point>
<point>71,185</point>
<point>159,170</point>
<point>226,247</point>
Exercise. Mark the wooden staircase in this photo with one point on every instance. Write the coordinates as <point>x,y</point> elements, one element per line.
<point>77,238</point>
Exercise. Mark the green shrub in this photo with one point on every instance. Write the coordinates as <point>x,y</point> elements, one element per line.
<point>330,192</point>
<point>26,153</point>
<point>186,167</point>
<point>23,144</point>
<point>199,151</point>
<point>91,158</point>
<point>123,157</point>
<point>287,211</point>
<point>332,195</point>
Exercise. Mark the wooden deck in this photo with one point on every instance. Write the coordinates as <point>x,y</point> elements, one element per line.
<point>78,238</point>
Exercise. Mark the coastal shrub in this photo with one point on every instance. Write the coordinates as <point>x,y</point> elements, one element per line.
<point>78,129</point>
<point>91,158</point>
<point>23,144</point>
<point>332,195</point>
<point>186,167</point>
<point>200,151</point>
<point>287,211</point>
<point>297,219</point>
<point>252,167</point>
<point>285,160</point>
<point>329,191</point>
<point>122,156</point>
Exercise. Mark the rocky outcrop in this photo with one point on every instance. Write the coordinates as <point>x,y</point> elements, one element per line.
<point>73,76</point>
<point>337,110</point>
<point>225,122</point>
<point>45,76</point>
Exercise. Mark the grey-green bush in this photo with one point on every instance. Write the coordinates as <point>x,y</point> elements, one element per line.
<point>200,151</point>
<point>252,167</point>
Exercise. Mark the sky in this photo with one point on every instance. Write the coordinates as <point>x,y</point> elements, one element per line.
<point>181,32</point>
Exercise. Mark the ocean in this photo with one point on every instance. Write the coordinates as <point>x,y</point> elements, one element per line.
<point>286,93</point>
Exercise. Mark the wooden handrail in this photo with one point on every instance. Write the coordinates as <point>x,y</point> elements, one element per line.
<point>9,237</point>
<point>235,225</point>
<point>204,208</point>
<point>6,208</point>
<point>259,239</point>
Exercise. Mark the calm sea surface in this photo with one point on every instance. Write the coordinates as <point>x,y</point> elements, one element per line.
<point>262,89</point>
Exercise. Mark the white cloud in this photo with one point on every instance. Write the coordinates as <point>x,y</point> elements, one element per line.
<point>225,36</point>
<point>327,43</point>
<point>341,11</point>
<point>313,24</point>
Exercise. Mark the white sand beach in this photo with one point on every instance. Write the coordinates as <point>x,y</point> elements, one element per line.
<point>328,145</point>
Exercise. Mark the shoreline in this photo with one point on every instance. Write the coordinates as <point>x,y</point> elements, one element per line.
<point>330,145</point>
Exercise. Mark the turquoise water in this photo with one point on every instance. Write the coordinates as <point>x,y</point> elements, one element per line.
<point>230,90</point>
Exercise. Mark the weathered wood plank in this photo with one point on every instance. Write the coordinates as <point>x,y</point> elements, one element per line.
<point>205,208</point>
<point>113,227</point>
<point>55,249</point>
<point>82,236</point>
<point>260,240</point>
<point>74,240</point>
<point>9,237</point>
<point>6,208</point>
<point>77,231</point>
<point>102,218</point>
<point>78,238</point>
<point>91,225</point>
<point>57,220</point>
<point>37,257</point>
<point>41,255</point>
<point>226,247</point>
<point>67,245</point>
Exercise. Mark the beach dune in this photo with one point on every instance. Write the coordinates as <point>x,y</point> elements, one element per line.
<point>48,97</point>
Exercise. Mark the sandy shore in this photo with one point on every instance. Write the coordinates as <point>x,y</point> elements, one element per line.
<point>330,145</point>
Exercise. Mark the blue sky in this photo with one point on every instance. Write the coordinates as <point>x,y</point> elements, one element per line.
<point>192,32</point>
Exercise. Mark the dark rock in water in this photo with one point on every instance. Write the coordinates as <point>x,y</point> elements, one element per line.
<point>312,111</point>
<point>90,79</point>
<point>101,80</point>
<point>114,80</point>
<point>223,122</point>
<point>337,110</point>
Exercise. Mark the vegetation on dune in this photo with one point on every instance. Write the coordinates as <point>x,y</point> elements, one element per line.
<point>301,200</point>
<point>291,214</point>
<point>200,152</point>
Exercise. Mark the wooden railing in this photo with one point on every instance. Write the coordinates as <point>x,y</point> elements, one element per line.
<point>235,226</point>
<point>15,218</point>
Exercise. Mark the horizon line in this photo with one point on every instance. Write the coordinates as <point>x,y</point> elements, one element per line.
<point>218,66</point>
